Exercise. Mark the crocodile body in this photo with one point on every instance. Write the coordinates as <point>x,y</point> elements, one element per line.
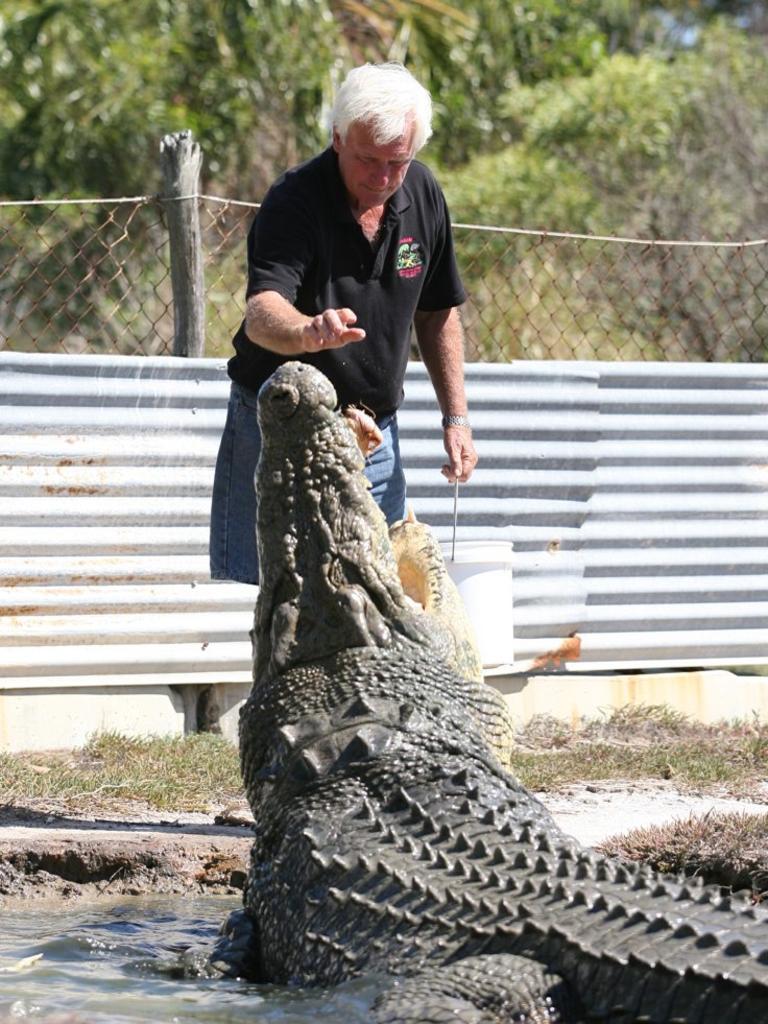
<point>390,838</point>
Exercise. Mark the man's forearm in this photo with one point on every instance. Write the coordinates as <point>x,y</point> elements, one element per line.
<point>441,342</point>
<point>273,323</point>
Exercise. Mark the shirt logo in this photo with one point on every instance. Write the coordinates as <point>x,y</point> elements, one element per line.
<point>410,259</point>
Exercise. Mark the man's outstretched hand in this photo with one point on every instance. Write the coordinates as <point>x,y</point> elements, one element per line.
<point>331,329</point>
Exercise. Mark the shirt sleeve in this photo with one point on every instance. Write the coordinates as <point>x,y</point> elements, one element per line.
<point>442,287</point>
<point>280,245</point>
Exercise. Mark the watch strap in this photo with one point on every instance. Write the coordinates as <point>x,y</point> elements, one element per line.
<point>455,421</point>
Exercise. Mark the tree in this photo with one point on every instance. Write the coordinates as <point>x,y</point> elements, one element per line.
<point>90,87</point>
<point>646,147</point>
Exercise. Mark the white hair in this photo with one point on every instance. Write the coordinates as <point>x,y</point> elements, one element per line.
<point>388,98</point>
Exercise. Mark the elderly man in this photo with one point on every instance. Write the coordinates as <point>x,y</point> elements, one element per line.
<point>348,252</point>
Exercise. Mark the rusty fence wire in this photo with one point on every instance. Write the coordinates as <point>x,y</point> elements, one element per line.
<point>85,276</point>
<point>94,276</point>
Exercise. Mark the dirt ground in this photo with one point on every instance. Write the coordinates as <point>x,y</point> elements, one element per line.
<point>127,849</point>
<point>593,812</point>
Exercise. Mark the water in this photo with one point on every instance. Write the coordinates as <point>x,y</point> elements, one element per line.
<point>104,963</point>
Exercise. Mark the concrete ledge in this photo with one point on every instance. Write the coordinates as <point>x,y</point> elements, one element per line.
<point>64,715</point>
<point>705,696</point>
<point>61,718</point>
<point>47,718</point>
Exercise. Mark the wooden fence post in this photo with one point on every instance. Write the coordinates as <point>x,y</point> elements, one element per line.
<point>181,160</point>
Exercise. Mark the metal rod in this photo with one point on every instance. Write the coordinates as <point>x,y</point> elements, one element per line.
<point>455,518</point>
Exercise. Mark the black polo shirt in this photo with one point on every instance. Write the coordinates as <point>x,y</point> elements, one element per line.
<point>306,245</point>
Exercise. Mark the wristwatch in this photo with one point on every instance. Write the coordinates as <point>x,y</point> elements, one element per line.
<point>455,421</point>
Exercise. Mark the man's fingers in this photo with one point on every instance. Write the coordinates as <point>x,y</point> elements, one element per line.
<point>347,316</point>
<point>332,329</point>
<point>452,474</point>
<point>461,454</point>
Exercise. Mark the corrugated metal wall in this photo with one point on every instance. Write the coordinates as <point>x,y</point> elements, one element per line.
<point>636,496</point>
<point>105,481</point>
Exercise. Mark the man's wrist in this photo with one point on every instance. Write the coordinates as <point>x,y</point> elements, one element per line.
<point>455,421</point>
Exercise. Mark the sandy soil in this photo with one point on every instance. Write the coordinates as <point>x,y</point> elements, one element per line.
<point>596,811</point>
<point>130,850</point>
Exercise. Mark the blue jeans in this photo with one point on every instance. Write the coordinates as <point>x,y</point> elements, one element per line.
<point>233,552</point>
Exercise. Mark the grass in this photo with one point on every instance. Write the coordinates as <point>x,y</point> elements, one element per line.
<point>728,848</point>
<point>644,742</point>
<point>190,773</point>
<point>636,743</point>
<point>199,771</point>
<point>639,743</point>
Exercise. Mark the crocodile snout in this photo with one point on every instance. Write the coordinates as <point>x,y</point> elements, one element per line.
<point>295,387</point>
<point>284,400</point>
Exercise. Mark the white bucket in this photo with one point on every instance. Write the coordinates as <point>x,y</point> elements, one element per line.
<point>482,572</point>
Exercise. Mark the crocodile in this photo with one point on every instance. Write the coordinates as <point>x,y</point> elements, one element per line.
<point>425,579</point>
<point>390,840</point>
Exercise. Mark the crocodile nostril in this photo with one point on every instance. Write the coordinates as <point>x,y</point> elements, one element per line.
<point>285,400</point>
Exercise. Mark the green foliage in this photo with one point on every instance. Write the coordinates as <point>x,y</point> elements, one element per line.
<point>90,277</point>
<point>646,147</point>
<point>602,116</point>
<point>511,43</point>
<point>610,149</point>
<point>90,86</point>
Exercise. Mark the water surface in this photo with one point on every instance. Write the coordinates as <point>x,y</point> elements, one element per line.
<point>103,962</point>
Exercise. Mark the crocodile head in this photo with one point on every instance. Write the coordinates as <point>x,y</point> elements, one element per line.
<point>329,578</point>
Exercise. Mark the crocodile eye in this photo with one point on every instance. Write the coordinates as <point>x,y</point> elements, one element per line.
<point>284,400</point>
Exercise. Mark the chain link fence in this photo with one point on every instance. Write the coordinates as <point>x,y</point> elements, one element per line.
<point>94,276</point>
